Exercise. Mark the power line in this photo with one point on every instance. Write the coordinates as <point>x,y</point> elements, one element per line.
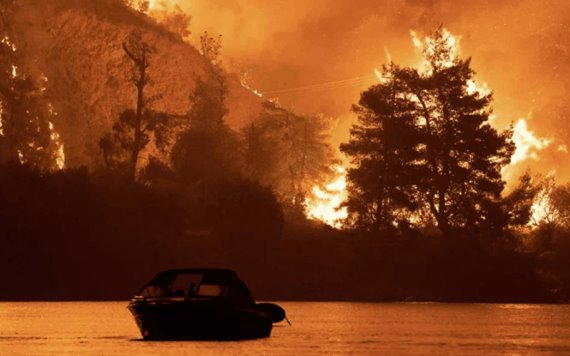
<point>337,84</point>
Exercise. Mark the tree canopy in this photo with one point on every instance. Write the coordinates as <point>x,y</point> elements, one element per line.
<point>423,150</point>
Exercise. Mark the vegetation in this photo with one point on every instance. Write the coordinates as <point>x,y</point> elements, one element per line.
<point>428,220</point>
<point>25,114</point>
<point>425,147</point>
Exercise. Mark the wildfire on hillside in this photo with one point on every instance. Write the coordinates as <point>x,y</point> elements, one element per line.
<point>325,200</point>
<point>54,134</point>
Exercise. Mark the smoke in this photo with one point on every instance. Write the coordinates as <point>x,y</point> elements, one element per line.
<point>291,47</point>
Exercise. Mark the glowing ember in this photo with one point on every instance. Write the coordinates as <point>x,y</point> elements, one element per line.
<point>7,42</point>
<point>324,204</point>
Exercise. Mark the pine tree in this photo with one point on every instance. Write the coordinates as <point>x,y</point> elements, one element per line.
<point>464,155</point>
<point>385,153</point>
<point>424,146</point>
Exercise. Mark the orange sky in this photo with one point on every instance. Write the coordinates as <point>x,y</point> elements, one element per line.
<point>521,49</point>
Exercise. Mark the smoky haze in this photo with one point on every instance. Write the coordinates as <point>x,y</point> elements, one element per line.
<point>519,48</point>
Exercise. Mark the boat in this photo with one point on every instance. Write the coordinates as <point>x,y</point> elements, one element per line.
<point>201,304</point>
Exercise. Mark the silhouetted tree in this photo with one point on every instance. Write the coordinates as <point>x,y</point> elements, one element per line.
<point>207,150</point>
<point>458,172</point>
<point>209,95</point>
<point>516,205</point>
<point>385,150</point>
<point>206,155</point>
<point>559,200</point>
<point>132,132</point>
<point>464,155</point>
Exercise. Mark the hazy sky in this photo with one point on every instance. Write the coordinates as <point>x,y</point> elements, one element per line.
<point>521,49</point>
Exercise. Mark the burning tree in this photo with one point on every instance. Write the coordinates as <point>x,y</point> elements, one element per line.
<point>289,152</point>
<point>424,146</point>
<point>27,133</point>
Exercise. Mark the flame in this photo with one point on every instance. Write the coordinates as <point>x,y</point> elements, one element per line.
<point>428,45</point>
<point>527,143</point>
<point>325,202</point>
<point>416,40</point>
<point>59,152</point>
<point>6,40</point>
<point>254,91</point>
<point>541,209</point>
<point>1,119</point>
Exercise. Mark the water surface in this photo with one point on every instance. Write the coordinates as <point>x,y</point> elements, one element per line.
<point>107,328</point>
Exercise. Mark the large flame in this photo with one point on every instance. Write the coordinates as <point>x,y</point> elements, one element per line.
<point>527,143</point>
<point>325,202</point>
<point>527,148</point>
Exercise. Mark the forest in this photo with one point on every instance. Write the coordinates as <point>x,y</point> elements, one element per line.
<point>429,216</point>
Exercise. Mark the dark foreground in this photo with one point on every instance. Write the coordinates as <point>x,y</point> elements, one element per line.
<point>98,328</point>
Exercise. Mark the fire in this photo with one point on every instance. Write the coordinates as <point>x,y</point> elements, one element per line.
<point>244,84</point>
<point>1,119</point>
<point>427,47</point>
<point>527,147</point>
<point>542,210</point>
<point>526,142</point>
<point>6,41</point>
<point>60,152</point>
<point>325,202</point>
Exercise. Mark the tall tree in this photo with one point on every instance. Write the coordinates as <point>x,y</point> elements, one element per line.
<point>425,145</point>
<point>207,150</point>
<point>132,132</point>
<point>464,154</point>
<point>385,151</point>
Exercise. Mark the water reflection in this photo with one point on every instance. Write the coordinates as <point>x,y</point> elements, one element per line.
<point>318,328</point>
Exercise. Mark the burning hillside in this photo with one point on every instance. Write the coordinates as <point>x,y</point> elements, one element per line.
<point>79,48</point>
<point>326,202</point>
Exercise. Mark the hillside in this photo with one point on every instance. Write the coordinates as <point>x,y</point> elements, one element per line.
<point>77,45</point>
